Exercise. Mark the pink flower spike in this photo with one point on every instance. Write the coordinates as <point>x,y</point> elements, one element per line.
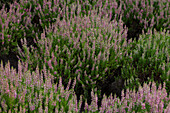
<point>55,72</point>
<point>143,106</point>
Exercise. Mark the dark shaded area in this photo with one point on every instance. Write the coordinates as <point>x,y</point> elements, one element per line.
<point>113,84</point>
<point>12,59</point>
<point>7,3</point>
<point>134,29</point>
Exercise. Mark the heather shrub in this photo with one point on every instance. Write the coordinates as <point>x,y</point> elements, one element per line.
<point>81,39</point>
<point>15,25</point>
<point>33,9</point>
<point>147,99</point>
<point>136,14</point>
<point>145,14</point>
<point>43,13</point>
<point>21,21</point>
<point>85,50</point>
<point>149,60</point>
<point>26,18</point>
<point>27,92</point>
<point>64,44</point>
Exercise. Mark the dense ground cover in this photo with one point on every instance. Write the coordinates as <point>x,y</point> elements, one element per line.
<point>88,45</point>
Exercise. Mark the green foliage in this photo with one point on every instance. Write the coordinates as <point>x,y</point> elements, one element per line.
<point>147,61</point>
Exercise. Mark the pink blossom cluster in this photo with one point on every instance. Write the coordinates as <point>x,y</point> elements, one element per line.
<point>30,90</point>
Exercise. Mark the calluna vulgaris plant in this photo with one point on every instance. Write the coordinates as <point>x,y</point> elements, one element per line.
<point>149,60</point>
<point>82,47</point>
<point>87,41</point>
<point>14,25</point>
<point>151,13</point>
<point>27,92</point>
<point>63,42</point>
<point>36,14</point>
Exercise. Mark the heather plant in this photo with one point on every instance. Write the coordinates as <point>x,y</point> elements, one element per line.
<point>27,92</point>
<point>47,12</point>
<point>65,44</point>
<point>149,60</point>
<point>25,19</point>
<point>19,22</point>
<point>67,52</point>
<point>86,44</point>
<point>150,13</point>
<point>137,15</point>
<point>43,13</point>
<point>14,26</point>
<point>146,99</point>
